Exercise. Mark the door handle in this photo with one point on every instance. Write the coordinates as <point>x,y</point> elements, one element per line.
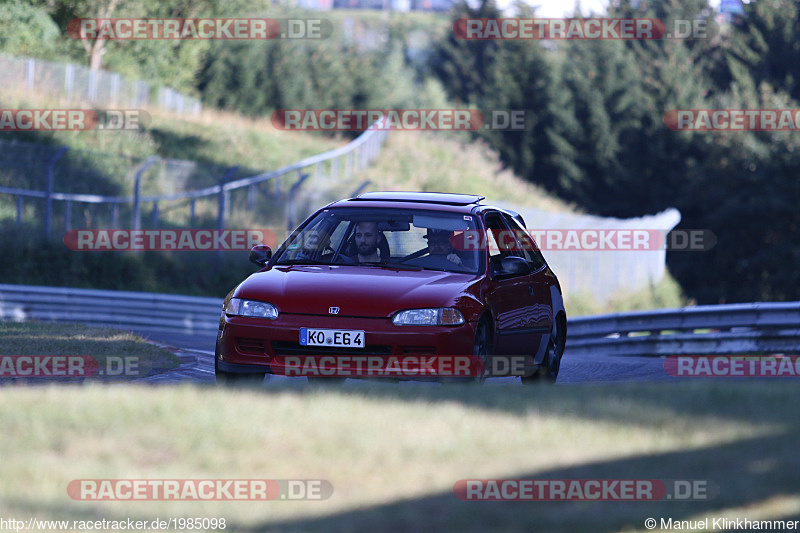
<point>530,290</point>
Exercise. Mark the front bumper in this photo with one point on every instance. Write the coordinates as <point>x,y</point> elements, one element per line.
<point>247,345</point>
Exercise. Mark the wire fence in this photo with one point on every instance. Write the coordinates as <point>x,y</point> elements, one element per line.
<point>76,83</point>
<point>603,274</point>
<point>110,191</point>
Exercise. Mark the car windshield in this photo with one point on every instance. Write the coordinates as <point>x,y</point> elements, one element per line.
<point>413,239</point>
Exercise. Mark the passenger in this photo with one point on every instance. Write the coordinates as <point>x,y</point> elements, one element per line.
<point>439,245</point>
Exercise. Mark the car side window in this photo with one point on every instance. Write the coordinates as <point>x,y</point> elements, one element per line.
<point>527,245</point>
<point>501,241</point>
<point>494,231</point>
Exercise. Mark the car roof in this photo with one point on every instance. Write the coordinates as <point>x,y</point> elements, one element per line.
<point>443,198</point>
<point>447,201</point>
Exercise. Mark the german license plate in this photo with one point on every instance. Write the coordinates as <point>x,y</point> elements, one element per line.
<point>332,338</point>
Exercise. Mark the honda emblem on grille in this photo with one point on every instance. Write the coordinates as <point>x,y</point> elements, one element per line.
<point>333,310</point>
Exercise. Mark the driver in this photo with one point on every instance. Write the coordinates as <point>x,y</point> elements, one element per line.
<point>439,245</point>
<point>366,240</point>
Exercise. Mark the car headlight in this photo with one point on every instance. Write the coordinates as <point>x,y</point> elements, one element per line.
<point>441,316</point>
<point>240,307</point>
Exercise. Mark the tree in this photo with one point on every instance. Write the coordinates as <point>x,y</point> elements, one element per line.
<point>176,62</point>
<point>464,66</point>
<point>765,46</point>
<point>27,30</point>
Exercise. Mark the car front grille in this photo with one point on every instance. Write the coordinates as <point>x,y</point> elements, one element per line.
<point>251,346</point>
<point>419,350</point>
<point>282,348</point>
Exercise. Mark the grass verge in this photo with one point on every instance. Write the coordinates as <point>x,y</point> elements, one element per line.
<point>393,453</point>
<point>445,162</point>
<point>97,353</point>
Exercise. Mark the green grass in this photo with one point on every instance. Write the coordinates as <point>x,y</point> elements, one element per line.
<point>212,137</point>
<point>125,355</point>
<point>444,162</point>
<point>393,453</point>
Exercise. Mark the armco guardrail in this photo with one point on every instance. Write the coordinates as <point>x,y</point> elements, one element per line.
<point>120,309</point>
<point>710,329</point>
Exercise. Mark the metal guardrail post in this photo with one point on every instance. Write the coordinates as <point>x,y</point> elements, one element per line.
<point>137,214</point>
<point>251,198</point>
<point>360,189</point>
<point>290,198</point>
<point>92,85</point>
<point>224,196</point>
<point>69,80</point>
<point>48,211</point>
<point>115,79</point>
<point>67,216</point>
<point>30,73</point>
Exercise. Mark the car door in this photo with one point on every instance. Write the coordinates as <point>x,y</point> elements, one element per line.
<point>541,283</point>
<point>518,324</point>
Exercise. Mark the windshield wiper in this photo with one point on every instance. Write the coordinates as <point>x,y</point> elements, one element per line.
<point>393,266</point>
<point>402,266</point>
<point>301,262</point>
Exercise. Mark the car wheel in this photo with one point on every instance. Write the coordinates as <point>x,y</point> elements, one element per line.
<point>482,348</point>
<point>552,363</point>
<point>235,379</point>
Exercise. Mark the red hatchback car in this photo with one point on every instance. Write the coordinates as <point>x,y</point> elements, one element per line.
<point>366,284</point>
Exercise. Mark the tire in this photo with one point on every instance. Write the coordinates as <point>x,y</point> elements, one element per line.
<point>555,350</point>
<point>482,347</point>
<point>236,379</point>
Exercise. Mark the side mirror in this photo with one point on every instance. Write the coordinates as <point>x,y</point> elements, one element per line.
<point>513,266</point>
<point>260,254</point>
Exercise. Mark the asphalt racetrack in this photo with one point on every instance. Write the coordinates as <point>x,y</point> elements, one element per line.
<point>197,353</point>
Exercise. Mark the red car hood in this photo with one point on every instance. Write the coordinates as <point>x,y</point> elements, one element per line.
<point>356,290</point>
